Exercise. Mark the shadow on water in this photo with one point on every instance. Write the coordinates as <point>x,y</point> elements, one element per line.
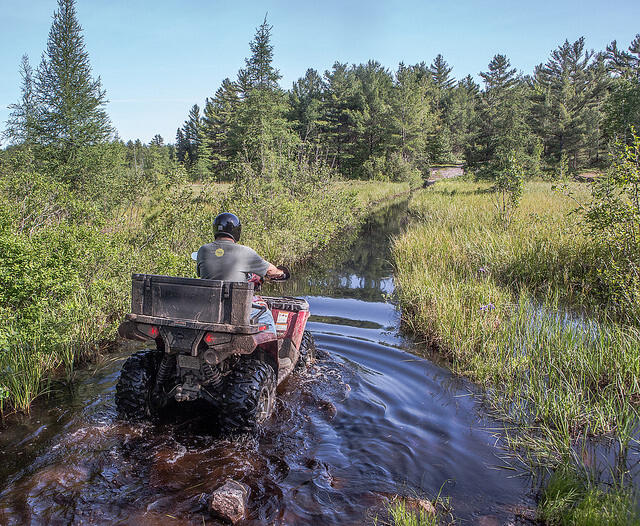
<point>369,419</point>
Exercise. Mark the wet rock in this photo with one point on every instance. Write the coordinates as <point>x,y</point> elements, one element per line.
<point>229,501</point>
<point>328,407</point>
<point>426,506</point>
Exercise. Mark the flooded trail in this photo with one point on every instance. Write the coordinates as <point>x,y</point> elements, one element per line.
<point>371,418</point>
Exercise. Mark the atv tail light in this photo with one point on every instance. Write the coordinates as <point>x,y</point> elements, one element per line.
<point>150,331</point>
<point>209,338</point>
<point>262,328</point>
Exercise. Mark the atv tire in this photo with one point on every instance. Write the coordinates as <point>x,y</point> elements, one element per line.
<point>136,382</point>
<point>307,351</point>
<point>249,396</point>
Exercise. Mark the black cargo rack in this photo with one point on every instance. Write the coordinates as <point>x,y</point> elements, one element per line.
<point>287,303</point>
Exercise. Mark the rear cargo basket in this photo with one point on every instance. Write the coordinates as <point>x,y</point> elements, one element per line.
<point>193,299</point>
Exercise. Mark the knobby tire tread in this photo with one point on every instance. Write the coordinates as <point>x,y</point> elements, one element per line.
<point>242,394</point>
<point>136,381</point>
<point>307,351</point>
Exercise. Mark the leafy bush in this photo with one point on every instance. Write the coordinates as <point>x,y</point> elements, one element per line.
<point>613,220</point>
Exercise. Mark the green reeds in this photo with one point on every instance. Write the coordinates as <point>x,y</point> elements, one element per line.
<point>573,500</point>
<point>402,515</point>
<point>23,367</point>
<point>495,302</point>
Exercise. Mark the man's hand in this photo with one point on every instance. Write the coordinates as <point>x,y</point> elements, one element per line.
<point>274,272</point>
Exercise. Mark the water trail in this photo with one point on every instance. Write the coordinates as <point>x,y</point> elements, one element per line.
<point>369,419</point>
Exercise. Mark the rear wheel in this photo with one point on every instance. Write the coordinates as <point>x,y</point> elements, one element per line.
<point>307,351</point>
<point>248,397</point>
<point>135,385</point>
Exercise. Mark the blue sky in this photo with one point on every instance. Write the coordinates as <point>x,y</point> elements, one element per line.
<point>157,58</point>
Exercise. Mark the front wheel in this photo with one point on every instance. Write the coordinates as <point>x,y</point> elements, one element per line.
<point>249,396</point>
<point>307,351</point>
<point>135,385</point>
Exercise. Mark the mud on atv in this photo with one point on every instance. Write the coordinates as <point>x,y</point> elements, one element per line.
<point>208,348</point>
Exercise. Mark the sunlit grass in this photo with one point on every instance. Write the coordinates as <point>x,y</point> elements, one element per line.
<point>495,302</point>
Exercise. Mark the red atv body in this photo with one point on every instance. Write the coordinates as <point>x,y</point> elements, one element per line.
<point>209,348</point>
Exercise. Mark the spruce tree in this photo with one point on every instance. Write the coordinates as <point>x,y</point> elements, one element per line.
<point>220,128</point>
<point>263,129</point>
<point>440,143</point>
<point>71,101</point>
<point>191,138</point>
<point>22,125</point>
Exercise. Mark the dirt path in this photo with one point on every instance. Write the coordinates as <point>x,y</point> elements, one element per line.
<point>445,172</point>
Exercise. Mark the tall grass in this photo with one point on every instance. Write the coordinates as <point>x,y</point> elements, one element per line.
<point>495,301</point>
<point>65,303</point>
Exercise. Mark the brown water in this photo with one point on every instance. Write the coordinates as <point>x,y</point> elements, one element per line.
<point>369,419</point>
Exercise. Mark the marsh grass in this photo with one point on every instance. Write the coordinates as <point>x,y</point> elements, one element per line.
<point>23,368</point>
<point>62,307</point>
<point>495,302</point>
<point>572,500</point>
<point>402,511</point>
<point>401,515</point>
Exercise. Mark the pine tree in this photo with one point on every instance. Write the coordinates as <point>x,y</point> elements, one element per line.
<point>625,64</point>
<point>503,136</point>
<point>262,127</point>
<point>305,100</point>
<point>464,102</point>
<point>343,102</point>
<point>569,91</point>
<point>622,108</point>
<point>373,123</point>
<point>71,102</point>
<point>22,125</point>
<point>413,120</point>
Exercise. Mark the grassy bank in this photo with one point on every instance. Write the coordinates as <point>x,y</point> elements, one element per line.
<point>494,301</point>
<point>67,253</point>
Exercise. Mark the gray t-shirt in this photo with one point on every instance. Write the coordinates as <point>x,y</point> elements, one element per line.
<point>228,261</point>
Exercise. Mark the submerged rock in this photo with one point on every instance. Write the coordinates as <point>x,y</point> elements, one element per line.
<point>229,501</point>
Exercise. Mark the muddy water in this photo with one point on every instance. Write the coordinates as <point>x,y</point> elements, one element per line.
<point>369,419</point>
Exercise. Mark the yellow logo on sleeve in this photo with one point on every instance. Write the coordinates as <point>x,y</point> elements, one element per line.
<point>219,252</point>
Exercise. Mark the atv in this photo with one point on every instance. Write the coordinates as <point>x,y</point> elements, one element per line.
<point>209,349</point>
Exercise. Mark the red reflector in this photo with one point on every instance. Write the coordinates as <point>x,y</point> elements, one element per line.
<point>154,332</point>
<point>209,338</point>
<point>262,328</point>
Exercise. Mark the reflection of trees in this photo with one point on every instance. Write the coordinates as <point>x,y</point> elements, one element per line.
<point>355,265</point>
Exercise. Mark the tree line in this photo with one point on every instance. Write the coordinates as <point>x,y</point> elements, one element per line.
<point>361,121</point>
<point>367,121</point>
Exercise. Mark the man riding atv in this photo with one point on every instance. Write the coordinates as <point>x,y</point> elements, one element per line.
<point>226,260</point>
<point>215,342</point>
